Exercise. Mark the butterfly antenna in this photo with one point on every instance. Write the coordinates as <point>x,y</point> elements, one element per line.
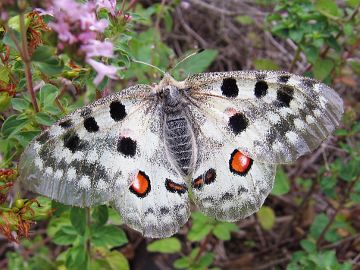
<point>147,64</point>
<point>184,59</point>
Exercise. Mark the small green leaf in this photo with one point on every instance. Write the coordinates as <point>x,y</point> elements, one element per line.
<point>265,64</point>
<point>109,236</point>
<point>266,217</point>
<point>76,257</point>
<point>117,261</point>
<point>328,8</point>
<point>223,230</point>
<point>281,185</point>
<point>44,119</point>
<point>308,245</point>
<point>42,54</point>
<point>199,62</point>
<point>20,104</point>
<point>322,68</point>
<point>78,219</point>
<point>47,94</point>
<point>318,225</point>
<point>100,215</point>
<point>244,19</point>
<point>5,101</point>
<point>182,263</point>
<point>168,245</point>
<point>65,236</point>
<point>4,74</point>
<point>13,124</point>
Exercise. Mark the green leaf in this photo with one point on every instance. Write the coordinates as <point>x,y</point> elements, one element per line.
<point>182,263</point>
<point>20,104</point>
<point>109,236</point>
<point>328,8</point>
<point>168,245</point>
<point>281,185</point>
<point>265,64</point>
<point>318,225</point>
<point>65,236</point>
<point>5,101</point>
<point>223,230</point>
<point>308,245</point>
<point>199,62</point>
<point>47,94</point>
<point>42,54</point>
<point>76,257</point>
<point>8,41</point>
<point>352,3</point>
<point>44,119</point>
<point>322,68</point>
<point>51,67</point>
<point>117,261</point>
<point>266,217</point>
<point>13,124</point>
<point>100,215</point>
<point>244,19</point>
<point>78,219</point>
<point>4,74</point>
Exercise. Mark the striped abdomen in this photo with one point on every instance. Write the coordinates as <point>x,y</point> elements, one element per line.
<point>180,141</point>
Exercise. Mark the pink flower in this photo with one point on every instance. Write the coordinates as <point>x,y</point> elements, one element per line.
<point>102,70</point>
<point>109,5</point>
<point>77,25</point>
<point>98,48</point>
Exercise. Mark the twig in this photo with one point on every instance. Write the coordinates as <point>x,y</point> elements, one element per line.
<point>332,218</point>
<point>188,29</point>
<point>27,63</point>
<point>203,247</point>
<point>297,213</point>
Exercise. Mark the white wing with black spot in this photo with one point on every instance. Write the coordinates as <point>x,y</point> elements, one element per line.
<point>110,150</point>
<point>227,184</point>
<point>271,116</point>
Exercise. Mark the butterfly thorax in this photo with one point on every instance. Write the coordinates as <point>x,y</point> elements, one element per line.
<point>178,133</point>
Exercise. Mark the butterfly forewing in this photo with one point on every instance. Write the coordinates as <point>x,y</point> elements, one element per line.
<point>273,117</point>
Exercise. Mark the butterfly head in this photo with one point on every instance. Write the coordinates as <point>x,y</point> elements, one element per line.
<point>168,93</point>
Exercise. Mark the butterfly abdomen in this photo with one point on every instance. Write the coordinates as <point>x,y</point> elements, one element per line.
<point>179,141</point>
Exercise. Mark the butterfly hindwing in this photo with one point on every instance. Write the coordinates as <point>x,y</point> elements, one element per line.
<point>272,116</point>
<point>227,184</point>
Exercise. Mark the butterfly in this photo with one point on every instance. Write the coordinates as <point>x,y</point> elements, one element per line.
<point>214,138</point>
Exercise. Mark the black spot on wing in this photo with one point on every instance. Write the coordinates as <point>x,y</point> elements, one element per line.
<point>238,123</point>
<point>308,82</point>
<point>175,187</point>
<point>164,210</point>
<point>229,88</point>
<point>43,137</point>
<point>72,141</point>
<point>90,124</point>
<point>210,176</point>
<point>227,196</point>
<point>127,146</point>
<point>261,88</point>
<point>284,96</point>
<point>66,124</point>
<point>117,111</point>
<point>85,112</point>
<point>284,78</point>
<point>260,76</point>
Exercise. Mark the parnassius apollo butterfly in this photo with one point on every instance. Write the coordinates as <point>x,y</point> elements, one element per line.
<point>214,137</point>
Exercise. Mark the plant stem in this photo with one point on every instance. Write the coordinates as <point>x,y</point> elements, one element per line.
<point>337,210</point>
<point>296,57</point>
<point>88,240</point>
<point>27,63</point>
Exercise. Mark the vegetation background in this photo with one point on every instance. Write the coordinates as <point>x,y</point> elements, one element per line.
<point>312,218</point>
